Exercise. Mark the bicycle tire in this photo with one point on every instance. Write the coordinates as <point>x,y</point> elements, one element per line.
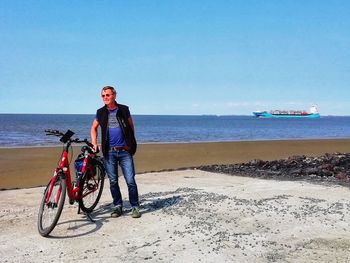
<point>50,213</point>
<point>90,188</point>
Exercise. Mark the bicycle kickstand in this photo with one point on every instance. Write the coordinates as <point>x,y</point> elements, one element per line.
<point>90,218</point>
<point>87,215</point>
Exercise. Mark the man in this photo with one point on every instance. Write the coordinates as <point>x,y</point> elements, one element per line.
<point>118,145</point>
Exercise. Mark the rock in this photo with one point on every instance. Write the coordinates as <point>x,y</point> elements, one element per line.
<point>329,167</point>
<point>341,176</point>
<point>311,170</point>
<point>295,171</point>
<point>257,162</point>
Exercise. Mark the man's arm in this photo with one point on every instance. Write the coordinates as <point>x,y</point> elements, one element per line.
<point>131,123</point>
<point>93,133</point>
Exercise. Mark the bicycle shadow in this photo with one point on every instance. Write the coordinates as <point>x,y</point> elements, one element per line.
<point>101,215</point>
<point>75,225</point>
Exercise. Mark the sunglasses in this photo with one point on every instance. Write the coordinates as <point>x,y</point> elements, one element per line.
<point>106,95</point>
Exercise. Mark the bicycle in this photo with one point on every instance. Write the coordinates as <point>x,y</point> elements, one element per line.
<point>86,189</point>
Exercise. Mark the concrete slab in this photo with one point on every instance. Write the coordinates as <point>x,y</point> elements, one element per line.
<point>188,216</point>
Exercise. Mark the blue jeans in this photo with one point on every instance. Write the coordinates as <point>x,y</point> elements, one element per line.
<point>126,163</point>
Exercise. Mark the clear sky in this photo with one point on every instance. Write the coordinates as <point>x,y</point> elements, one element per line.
<point>175,56</point>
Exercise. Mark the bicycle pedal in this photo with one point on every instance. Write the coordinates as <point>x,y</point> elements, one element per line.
<point>71,202</point>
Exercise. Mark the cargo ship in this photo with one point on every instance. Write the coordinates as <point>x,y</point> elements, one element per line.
<point>313,113</point>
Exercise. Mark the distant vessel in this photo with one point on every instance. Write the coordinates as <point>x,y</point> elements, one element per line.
<point>313,113</point>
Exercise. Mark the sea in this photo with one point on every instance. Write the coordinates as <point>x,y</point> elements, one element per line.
<point>28,130</point>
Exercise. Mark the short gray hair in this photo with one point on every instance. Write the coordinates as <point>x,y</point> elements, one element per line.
<point>110,88</point>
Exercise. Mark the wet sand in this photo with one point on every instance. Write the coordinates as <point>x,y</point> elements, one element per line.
<point>31,167</point>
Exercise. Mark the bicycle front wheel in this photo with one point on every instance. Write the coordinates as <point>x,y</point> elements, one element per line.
<point>51,205</point>
<point>91,187</point>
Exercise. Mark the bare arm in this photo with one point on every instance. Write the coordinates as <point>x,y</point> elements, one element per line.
<point>93,133</point>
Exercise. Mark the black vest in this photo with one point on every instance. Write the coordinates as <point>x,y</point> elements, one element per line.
<point>122,117</point>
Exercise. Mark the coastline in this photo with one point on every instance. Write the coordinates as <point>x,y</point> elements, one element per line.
<point>32,166</point>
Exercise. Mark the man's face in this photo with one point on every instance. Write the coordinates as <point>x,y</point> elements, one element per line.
<point>107,96</point>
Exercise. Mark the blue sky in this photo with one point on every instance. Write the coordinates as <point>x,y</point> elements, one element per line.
<point>175,57</point>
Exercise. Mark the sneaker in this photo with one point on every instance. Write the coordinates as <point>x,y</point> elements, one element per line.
<point>135,212</point>
<point>117,211</point>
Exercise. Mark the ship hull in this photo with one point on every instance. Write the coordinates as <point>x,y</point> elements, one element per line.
<point>270,115</point>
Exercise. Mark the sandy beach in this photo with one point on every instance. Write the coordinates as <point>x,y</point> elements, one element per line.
<point>31,167</point>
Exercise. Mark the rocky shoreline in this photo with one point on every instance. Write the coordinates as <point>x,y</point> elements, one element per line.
<point>329,168</point>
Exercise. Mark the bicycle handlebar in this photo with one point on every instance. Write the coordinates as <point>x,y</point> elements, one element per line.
<point>77,140</point>
<point>68,138</point>
<point>54,132</point>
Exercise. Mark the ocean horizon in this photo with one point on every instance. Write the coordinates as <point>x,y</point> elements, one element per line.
<point>27,130</point>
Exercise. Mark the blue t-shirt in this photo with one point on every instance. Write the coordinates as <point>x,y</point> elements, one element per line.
<point>116,138</point>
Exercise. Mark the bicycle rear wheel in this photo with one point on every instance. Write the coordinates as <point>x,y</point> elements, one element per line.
<point>91,187</point>
<point>51,206</point>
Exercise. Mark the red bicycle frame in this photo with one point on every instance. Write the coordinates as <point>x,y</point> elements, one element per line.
<point>63,169</point>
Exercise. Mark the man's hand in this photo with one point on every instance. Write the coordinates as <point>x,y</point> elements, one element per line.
<point>93,133</point>
<point>96,148</point>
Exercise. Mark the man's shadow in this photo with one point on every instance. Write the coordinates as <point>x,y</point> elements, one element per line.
<point>149,205</point>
